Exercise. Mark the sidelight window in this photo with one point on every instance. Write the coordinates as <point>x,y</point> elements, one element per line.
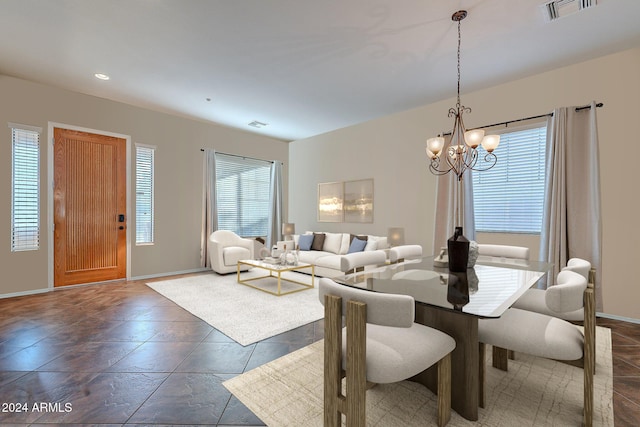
<point>25,188</point>
<point>144,194</point>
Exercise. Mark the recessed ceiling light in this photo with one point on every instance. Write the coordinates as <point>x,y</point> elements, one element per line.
<point>101,76</point>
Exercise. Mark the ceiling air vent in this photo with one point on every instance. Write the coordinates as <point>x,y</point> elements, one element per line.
<point>257,124</point>
<point>560,8</point>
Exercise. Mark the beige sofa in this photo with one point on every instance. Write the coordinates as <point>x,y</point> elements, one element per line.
<point>332,257</point>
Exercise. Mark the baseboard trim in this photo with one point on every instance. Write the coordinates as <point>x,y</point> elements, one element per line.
<point>175,273</point>
<point>621,318</point>
<point>24,293</point>
<point>150,276</point>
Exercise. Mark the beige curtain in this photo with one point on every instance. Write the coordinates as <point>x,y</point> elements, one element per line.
<point>274,232</point>
<point>571,224</point>
<point>209,213</point>
<point>445,209</point>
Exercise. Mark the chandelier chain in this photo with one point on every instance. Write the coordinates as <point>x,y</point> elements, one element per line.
<point>460,152</point>
<point>459,38</point>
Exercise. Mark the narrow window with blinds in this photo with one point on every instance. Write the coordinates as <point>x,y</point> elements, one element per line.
<point>509,198</point>
<point>25,188</point>
<point>144,194</point>
<point>242,194</point>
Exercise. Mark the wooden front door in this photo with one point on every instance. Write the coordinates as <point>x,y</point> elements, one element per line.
<point>90,218</point>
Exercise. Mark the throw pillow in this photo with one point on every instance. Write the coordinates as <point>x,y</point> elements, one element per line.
<point>318,242</point>
<point>357,245</point>
<point>305,241</point>
<point>353,236</point>
<point>381,241</point>
<point>372,245</point>
<point>332,242</point>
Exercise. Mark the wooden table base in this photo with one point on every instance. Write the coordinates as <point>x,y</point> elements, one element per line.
<point>465,382</point>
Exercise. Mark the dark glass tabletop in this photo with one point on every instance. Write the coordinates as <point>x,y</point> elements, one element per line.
<point>486,290</point>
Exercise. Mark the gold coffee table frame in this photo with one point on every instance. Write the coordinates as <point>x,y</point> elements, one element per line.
<point>279,269</point>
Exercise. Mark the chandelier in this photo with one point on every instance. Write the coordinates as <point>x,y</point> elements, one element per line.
<point>461,151</point>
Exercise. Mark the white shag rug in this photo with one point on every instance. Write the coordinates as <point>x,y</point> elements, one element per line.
<point>242,313</point>
<point>535,392</point>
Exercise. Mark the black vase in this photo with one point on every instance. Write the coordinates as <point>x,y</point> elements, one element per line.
<point>458,248</point>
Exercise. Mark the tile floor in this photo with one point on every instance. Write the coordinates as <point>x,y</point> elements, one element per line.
<point>122,354</point>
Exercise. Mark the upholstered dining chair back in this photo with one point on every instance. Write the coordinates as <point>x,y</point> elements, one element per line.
<point>580,266</point>
<point>504,251</point>
<point>382,309</point>
<point>556,300</point>
<point>382,344</point>
<point>567,294</point>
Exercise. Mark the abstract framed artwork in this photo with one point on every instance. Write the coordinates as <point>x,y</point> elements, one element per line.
<point>330,202</point>
<point>358,201</point>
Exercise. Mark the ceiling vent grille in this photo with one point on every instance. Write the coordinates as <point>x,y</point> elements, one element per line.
<point>257,124</point>
<point>557,9</point>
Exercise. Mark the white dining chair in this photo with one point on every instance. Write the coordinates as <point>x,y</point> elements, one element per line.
<point>548,336</point>
<point>546,301</point>
<point>382,344</point>
<point>503,251</point>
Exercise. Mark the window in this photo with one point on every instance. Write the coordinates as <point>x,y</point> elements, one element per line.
<point>25,188</point>
<point>509,198</point>
<point>144,194</point>
<point>242,194</point>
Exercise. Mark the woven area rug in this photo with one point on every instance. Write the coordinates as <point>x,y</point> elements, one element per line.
<point>242,313</point>
<point>535,392</point>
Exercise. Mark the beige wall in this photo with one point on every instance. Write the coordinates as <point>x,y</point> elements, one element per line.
<point>391,151</point>
<point>178,174</point>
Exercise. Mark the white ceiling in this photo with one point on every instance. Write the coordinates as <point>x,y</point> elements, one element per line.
<point>304,67</point>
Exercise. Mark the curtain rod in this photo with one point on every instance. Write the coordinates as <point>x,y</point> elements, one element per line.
<point>243,157</point>
<point>584,107</point>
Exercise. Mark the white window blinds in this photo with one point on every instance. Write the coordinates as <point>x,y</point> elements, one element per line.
<point>25,185</point>
<point>144,194</point>
<point>242,194</point>
<point>509,198</point>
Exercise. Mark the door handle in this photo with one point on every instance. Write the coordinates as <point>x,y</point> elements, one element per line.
<point>121,218</point>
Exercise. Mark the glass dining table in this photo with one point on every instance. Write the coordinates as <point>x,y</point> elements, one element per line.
<point>453,303</point>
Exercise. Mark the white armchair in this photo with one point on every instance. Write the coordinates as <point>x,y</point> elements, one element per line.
<point>226,248</point>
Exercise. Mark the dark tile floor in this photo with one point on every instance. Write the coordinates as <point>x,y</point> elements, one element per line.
<point>120,353</point>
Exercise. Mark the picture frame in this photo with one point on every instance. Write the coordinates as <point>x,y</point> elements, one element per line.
<point>358,201</point>
<point>330,202</point>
